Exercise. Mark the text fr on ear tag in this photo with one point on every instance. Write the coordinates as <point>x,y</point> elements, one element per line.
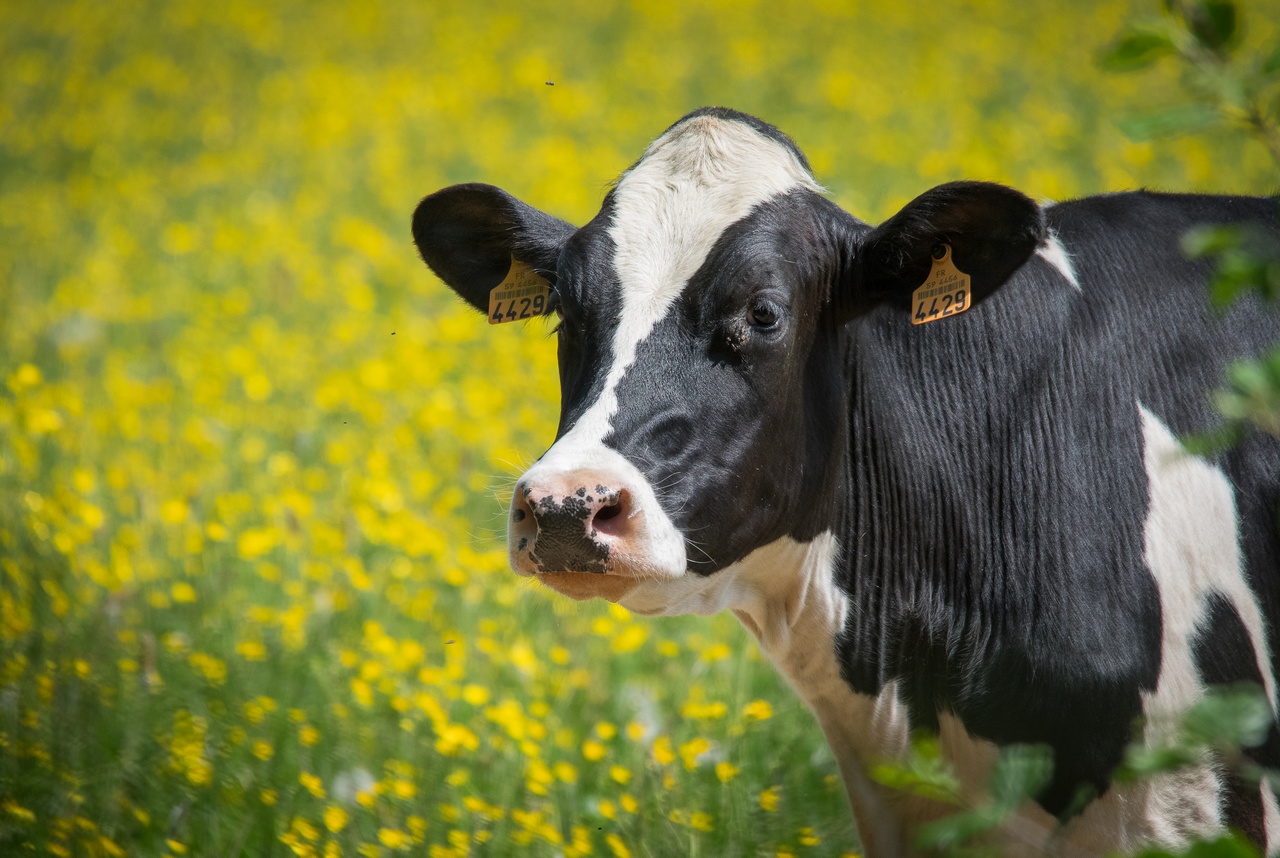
<point>522,294</point>
<point>945,291</point>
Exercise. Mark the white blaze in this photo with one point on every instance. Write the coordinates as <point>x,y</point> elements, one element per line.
<point>692,183</point>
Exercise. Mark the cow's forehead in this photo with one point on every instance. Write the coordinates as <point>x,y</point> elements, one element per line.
<point>666,214</point>
<point>693,182</point>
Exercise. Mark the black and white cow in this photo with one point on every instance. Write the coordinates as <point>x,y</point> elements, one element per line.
<point>984,525</point>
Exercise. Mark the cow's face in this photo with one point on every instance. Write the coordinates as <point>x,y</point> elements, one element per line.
<point>700,349</point>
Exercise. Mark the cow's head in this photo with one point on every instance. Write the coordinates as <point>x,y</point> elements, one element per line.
<point>701,346</point>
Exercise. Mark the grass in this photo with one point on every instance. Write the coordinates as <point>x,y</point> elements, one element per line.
<point>253,457</point>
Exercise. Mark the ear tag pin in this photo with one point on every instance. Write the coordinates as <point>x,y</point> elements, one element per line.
<point>945,291</point>
<point>522,294</point>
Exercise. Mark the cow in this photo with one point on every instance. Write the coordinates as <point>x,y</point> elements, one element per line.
<point>933,466</point>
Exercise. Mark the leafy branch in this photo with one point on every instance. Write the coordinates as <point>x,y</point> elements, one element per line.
<point>1240,89</point>
<point>1227,720</point>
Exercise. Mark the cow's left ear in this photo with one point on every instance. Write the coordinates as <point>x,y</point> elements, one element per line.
<point>990,229</point>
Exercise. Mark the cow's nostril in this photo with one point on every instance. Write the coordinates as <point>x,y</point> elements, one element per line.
<point>609,518</point>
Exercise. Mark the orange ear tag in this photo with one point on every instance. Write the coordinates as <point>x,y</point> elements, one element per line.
<point>945,291</point>
<point>522,294</point>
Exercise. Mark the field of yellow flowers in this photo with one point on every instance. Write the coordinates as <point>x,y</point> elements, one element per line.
<point>254,457</point>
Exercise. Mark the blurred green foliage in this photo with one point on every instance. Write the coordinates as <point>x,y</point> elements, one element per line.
<point>1238,89</point>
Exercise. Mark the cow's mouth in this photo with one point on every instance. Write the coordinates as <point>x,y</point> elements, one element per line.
<point>588,585</point>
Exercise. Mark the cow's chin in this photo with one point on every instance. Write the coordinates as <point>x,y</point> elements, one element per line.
<point>589,585</point>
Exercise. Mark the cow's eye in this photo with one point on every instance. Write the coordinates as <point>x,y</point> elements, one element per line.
<point>763,314</point>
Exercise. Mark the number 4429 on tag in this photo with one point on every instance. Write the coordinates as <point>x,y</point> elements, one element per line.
<point>945,291</point>
<point>522,294</point>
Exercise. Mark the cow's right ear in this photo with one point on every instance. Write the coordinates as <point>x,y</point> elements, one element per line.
<point>469,234</point>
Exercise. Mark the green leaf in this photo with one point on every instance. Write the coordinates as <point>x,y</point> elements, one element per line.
<point>1213,23</point>
<point>1204,241</point>
<point>1230,846</point>
<point>948,834</point>
<point>1136,49</point>
<point>923,772</point>
<point>1247,377</point>
<point>1170,121</point>
<point>1226,720</point>
<point>1206,444</point>
<point>1237,716</point>
<point>1020,772</point>
<point>1143,762</point>
<point>1271,64</point>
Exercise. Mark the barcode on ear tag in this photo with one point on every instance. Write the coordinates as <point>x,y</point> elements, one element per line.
<point>522,294</point>
<point>945,291</point>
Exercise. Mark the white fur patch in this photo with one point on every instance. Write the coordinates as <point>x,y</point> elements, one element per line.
<point>1193,553</point>
<point>692,183</point>
<point>1054,253</point>
<point>1271,820</point>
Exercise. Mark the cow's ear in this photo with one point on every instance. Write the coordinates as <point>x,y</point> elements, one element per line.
<point>469,234</point>
<point>991,230</point>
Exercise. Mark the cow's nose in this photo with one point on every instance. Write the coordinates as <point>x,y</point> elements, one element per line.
<point>569,522</point>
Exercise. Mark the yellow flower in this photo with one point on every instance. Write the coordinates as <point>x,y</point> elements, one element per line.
<point>174,511</point>
<point>726,771</point>
<point>183,593</point>
<point>662,752</point>
<point>26,376</point>
<point>335,818</point>
<point>312,784</point>
<point>263,750</point>
<point>393,838</point>
<point>757,710</point>
<point>16,810</point>
<point>769,799</point>
<point>476,695</point>
<point>717,652</point>
<point>630,639</point>
<point>692,751</point>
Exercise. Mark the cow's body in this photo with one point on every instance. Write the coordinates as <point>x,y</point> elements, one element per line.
<point>984,526</point>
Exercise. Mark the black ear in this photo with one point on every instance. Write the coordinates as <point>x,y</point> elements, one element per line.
<point>991,230</point>
<point>468,235</point>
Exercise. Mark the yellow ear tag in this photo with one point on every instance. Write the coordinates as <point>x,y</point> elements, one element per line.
<point>945,291</point>
<point>522,294</point>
